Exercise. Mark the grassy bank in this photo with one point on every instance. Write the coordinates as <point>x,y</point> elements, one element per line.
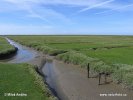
<point>5,48</point>
<point>104,53</point>
<point>22,78</point>
<point>120,73</point>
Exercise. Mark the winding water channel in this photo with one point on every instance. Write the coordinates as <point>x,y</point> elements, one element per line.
<point>24,54</point>
<point>66,81</point>
<point>28,55</point>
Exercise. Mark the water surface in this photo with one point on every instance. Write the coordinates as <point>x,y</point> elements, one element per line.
<point>24,54</point>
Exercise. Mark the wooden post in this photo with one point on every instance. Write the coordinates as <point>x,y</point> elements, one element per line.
<point>88,69</point>
<point>121,78</point>
<point>105,78</point>
<point>99,79</point>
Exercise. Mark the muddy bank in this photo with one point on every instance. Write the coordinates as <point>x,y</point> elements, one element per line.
<point>43,66</point>
<point>75,85</point>
<point>8,54</point>
<point>70,82</point>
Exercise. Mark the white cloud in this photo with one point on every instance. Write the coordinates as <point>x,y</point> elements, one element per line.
<point>96,5</point>
<point>30,7</point>
<point>34,10</point>
<point>119,8</point>
<point>53,20</point>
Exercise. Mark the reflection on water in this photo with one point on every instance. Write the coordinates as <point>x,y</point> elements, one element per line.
<point>49,74</point>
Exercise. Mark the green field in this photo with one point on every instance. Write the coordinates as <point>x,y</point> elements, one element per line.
<point>5,47</point>
<point>112,49</point>
<point>21,78</point>
<point>110,54</point>
<point>114,55</point>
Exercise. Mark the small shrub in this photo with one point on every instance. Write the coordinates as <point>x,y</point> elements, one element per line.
<point>124,75</point>
<point>128,80</point>
<point>100,67</point>
<point>75,58</point>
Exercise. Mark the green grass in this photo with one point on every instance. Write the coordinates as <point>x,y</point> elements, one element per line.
<point>114,55</point>
<point>78,42</point>
<point>124,74</point>
<point>21,78</point>
<point>101,51</point>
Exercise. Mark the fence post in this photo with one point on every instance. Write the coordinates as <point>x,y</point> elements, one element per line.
<point>99,79</point>
<point>105,81</point>
<point>88,69</point>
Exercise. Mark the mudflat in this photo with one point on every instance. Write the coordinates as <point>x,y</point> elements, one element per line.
<point>75,85</point>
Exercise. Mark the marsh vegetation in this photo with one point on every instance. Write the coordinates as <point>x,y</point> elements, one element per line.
<point>106,54</point>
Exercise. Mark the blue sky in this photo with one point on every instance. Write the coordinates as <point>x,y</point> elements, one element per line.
<point>109,17</point>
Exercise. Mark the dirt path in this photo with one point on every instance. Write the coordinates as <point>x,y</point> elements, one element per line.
<point>76,86</point>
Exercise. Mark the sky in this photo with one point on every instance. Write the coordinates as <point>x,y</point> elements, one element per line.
<point>76,17</point>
